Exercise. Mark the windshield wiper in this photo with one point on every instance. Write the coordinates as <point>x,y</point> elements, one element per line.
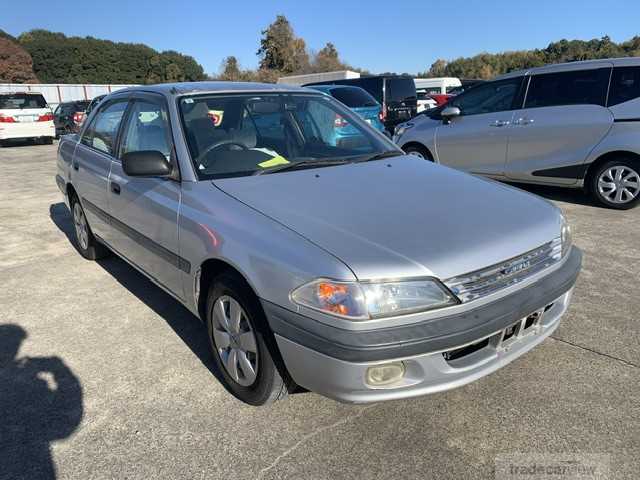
<point>301,165</point>
<point>380,156</point>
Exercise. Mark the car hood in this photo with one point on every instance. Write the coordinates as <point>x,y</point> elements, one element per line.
<point>403,216</point>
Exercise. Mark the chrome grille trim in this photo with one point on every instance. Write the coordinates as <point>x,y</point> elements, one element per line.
<point>488,280</point>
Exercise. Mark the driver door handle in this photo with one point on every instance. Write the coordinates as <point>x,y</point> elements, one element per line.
<point>115,188</point>
<point>499,123</point>
<point>523,121</point>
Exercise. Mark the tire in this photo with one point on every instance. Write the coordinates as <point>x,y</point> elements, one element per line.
<point>86,243</point>
<point>250,373</point>
<point>418,151</point>
<point>616,184</point>
<point>48,141</point>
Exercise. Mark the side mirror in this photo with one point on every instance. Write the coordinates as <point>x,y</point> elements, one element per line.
<point>146,163</point>
<point>449,113</point>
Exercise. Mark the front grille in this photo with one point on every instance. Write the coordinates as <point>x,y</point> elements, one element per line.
<point>483,282</point>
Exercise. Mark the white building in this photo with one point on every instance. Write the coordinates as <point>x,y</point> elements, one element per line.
<point>58,93</point>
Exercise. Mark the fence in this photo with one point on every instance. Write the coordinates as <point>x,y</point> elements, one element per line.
<point>58,93</point>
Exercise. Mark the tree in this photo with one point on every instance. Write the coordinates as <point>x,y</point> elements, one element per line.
<point>487,65</point>
<point>327,60</point>
<point>61,59</point>
<point>230,69</point>
<point>281,50</point>
<point>16,65</point>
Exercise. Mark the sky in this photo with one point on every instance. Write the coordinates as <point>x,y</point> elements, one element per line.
<point>399,35</point>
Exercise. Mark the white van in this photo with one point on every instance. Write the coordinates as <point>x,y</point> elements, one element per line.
<point>438,86</point>
<point>25,115</point>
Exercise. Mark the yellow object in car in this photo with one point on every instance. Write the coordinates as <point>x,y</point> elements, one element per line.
<point>278,160</point>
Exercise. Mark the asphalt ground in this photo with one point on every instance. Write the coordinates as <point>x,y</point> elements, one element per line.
<point>103,375</point>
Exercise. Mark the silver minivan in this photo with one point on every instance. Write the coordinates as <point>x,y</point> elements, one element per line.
<point>346,268</point>
<point>575,125</point>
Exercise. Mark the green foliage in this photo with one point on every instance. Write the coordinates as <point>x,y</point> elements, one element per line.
<point>281,50</point>
<point>61,59</point>
<point>488,65</point>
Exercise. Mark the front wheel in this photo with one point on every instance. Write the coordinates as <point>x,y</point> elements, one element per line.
<point>616,184</point>
<point>419,151</point>
<point>239,338</point>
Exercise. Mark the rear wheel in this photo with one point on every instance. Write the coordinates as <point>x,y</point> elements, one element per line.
<point>87,244</point>
<point>616,183</point>
<point>239,337</point>
<point>48,141</point>
<point>419,151</point>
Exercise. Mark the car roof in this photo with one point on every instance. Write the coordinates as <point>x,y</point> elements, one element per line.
<point>569,66</point>
<point>184,88</point>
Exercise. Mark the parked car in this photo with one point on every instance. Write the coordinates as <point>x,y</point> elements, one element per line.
<point>396,94</point>
<point>425,102</point>
<point>25,116</point>
<point>358,100</point>
<point>68,116</point>
<point>354,271</point>
<point>573,125</point>
<point>437,90</point>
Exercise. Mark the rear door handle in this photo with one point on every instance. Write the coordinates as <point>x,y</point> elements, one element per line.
<point>115,188</point>
<point>499,123</point>
<point>523,121</point>
<point>76,165</point>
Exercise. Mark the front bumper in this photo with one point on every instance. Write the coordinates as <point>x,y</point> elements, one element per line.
<point>438,354</point>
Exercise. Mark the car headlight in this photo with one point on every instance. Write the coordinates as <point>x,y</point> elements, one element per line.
<point>367,300</point>
<point>565,236</point>
<point>400,129</point>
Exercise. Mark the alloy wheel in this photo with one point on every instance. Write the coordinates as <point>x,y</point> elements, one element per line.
<point>81,227</point>
<point>619,184</point>
<point>235,340</point>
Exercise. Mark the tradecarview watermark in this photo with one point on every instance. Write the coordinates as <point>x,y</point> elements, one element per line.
<point>551,466</point>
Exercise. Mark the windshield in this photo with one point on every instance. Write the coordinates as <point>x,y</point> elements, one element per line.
<point>401,90</point>
<point>353,97</point>
<point>21,101</point>
<point>235,135</point>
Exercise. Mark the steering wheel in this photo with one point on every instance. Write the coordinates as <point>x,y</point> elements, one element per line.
<point>215,146</point>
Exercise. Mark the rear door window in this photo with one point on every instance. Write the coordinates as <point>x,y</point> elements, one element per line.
<point>625,85</point>
<point>400,90</point>
<point>353,97</point>
<point>580,87</point>
<point>102,132</point>
<point>21,101</point>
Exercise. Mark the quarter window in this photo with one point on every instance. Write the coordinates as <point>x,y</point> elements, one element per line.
<point>488,98</point>
<point>102,132</point>
<point>148,129</point>
<point>625,85</point>
<point>580,87</point>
